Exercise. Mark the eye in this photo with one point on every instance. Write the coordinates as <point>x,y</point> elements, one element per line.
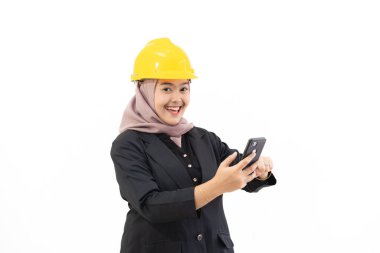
<point>184,89</point>
<point>167,89</point>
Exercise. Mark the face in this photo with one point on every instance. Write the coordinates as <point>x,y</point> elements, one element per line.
<point>171,98</point>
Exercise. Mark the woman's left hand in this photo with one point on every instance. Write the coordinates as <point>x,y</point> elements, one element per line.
<point>264,166</point>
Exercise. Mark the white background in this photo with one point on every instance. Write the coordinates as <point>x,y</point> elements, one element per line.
<point>301,73</point>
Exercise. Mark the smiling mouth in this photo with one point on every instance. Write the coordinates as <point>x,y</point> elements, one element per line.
<point>174,109</point>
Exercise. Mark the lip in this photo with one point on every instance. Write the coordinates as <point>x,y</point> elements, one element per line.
<point>170,110</point>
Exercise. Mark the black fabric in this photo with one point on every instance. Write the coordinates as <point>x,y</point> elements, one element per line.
<point>185,155</point>
<point>160,194</point>
<point>256,184</point>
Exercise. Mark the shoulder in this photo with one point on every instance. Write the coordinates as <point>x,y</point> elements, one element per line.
<point>203,133</point>
<point>199,131</point>
<point>130,139</point>
<point>128,135</point>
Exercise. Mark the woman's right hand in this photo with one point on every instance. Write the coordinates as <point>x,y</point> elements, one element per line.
<point>230,178</point>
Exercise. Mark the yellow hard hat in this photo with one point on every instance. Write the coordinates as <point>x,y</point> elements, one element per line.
<point>161,59</point>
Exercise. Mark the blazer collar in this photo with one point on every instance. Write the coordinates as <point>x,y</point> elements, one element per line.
<point>160,153</point>
<point>203,151</point>
<point>174,168</point>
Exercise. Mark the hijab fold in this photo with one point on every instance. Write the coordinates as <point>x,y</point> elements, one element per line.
<point>140,114</point>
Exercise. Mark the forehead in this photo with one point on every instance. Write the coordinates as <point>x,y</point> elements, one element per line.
<point>172,81</point>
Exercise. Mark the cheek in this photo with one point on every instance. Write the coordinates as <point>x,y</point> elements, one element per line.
<point>187,99</point>
<point>159,105</point>
<point>155,104</point>
<point>158,102</point>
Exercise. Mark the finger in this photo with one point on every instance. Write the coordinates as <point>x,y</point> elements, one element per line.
<point>243,163</point>
<point>229,159</point>
<point>271,164</point>
<point>250,169</point>
<point>251,176</point>
<point>261,169</point>
<point>257,163</point>
<point>268,163</point>
<point>260,165</point>
<point>268,167</point>
<point>259,173</point>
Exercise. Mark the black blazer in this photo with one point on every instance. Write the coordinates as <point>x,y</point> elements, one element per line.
<point>160,195</point>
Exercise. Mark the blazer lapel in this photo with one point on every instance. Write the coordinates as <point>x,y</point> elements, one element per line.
<point>203,152</point>
<point>160,153</point>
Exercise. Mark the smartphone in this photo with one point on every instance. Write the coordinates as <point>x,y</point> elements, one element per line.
<point>254,144</point>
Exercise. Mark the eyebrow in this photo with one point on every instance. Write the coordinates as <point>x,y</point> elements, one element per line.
<point>171,84</point>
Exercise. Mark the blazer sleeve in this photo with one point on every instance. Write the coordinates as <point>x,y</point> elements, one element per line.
<point>138,186</point>
<point>222,151</point>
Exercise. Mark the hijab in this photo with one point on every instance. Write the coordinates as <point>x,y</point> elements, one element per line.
<point>140,114</point>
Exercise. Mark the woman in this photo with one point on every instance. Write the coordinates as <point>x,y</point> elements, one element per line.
<point>173,174</point>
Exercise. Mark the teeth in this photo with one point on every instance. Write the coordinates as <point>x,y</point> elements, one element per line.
<point>173,108</point>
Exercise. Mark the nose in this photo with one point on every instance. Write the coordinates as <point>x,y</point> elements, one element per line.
<point>176,97</point>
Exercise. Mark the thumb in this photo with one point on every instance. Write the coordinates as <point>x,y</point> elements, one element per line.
<point>229,159</point>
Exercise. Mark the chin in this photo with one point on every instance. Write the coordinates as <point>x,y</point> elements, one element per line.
<point>173,123</point>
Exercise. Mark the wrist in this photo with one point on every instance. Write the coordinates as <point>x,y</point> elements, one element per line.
<point>205,193</point>
<point>215,187</point>
<point>264,176</point>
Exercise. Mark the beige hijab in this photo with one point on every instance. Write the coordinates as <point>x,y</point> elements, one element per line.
<point>140,115</point>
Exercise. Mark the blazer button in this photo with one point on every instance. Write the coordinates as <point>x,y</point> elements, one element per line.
<point>199,237</point>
